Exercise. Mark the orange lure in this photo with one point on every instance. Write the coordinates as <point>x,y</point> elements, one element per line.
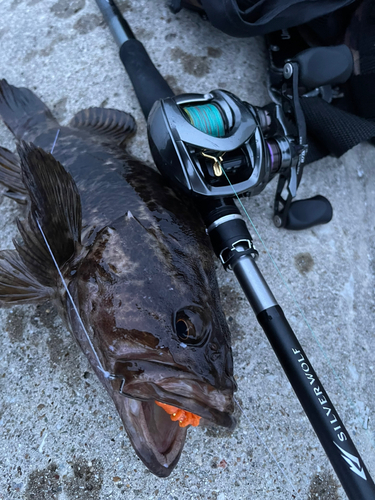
<point>184,417</point>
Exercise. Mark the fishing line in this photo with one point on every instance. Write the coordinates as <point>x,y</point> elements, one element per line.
<point>54,142</point>
<point>100,366</point>
<point>286,477</point>
<point>297,304</point>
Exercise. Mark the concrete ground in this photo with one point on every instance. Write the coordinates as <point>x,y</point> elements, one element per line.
<point>60,436</point>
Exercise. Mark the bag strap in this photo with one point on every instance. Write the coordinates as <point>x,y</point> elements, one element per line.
<point>333,131</point>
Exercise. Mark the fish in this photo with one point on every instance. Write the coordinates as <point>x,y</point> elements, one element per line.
<point>129,265</point>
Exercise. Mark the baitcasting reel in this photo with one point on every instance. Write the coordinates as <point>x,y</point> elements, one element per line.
<point>215,138</point>
<point>215,145</point>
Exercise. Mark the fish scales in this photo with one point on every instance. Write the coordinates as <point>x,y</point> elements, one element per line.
<point>137,263</point>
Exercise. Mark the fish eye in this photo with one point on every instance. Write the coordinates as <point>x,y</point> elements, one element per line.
<point>189,327</point>
<point>185,329</point>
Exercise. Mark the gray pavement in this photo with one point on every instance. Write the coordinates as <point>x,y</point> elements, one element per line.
<point>60,436</point>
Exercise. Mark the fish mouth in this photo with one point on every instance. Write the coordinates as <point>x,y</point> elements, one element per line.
<point>157,440</point>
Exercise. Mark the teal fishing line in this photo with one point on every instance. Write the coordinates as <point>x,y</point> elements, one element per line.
<point>206,118</point>
<point>297,304</point>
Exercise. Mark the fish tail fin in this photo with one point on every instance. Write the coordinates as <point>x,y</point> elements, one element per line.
<point>10,176</point>
<point>21,110</point>
<point>29,273</point>
<point>110,124</point>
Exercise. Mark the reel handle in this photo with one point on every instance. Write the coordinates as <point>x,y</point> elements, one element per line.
<point>302,214</point>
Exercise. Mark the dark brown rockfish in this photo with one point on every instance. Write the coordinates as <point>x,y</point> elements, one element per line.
<point>136,261</point>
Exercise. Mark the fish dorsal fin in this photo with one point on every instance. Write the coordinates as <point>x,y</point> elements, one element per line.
<point>115,125</point>
<point>56,206</point>
<point>17,284</point>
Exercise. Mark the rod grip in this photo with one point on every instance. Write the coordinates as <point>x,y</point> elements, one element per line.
<point>148,83</point>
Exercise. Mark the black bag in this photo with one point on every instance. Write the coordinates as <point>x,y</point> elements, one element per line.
<point>244,18</point>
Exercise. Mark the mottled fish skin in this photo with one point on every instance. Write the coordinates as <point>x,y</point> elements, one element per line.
<point>137,262</point>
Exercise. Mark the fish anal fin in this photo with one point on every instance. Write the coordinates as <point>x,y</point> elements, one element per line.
<point>11,176</point>
<point>116,126</point>
<point>17,283</point>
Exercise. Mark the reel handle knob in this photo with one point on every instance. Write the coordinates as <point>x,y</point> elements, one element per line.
<point>310,212</point>
<point>324,65</point>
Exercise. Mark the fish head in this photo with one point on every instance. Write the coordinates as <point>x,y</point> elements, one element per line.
<point>152,309</point>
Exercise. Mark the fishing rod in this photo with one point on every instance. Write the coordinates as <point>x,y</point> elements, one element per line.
<point>215,147</point>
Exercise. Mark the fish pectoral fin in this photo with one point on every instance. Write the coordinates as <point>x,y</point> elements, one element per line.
<point>17,284</point>
<point>11,176</point>
<point>117,126</point>
<point>55,208</point>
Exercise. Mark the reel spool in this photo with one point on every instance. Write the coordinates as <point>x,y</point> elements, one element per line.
<point>207,118</point>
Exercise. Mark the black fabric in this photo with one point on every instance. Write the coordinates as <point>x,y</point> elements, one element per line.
<point>335,128</point>
<point>360,37</point>
<point>332,130</point>
<point>329,29</point>
<point>246,18</point>
<point>361,93</point>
